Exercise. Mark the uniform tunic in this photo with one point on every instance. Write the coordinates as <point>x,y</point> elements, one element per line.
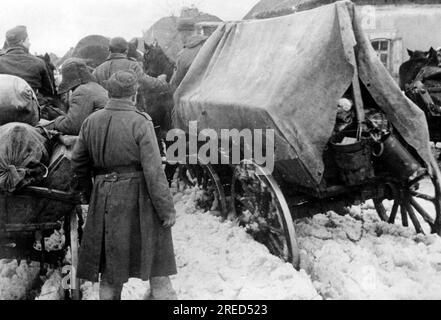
<point>126,210</point>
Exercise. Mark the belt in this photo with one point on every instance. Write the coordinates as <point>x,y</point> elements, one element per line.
<point>117,170</point>
<point>113,177</point>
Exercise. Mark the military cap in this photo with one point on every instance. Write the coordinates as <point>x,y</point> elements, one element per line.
<point>15,35</point>
<point>186,24</point>
<point>122,84</point>
<point>118,44</point>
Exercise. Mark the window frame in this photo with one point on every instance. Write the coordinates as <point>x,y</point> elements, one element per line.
<point>380,52</point>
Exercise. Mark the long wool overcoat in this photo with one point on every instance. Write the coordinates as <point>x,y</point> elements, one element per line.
<point>124,223</point>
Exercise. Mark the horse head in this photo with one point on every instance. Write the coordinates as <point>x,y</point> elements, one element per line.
<point>156,62</point>
<point>47,60</point>
<point>432,58</point>
<point>133,51</point>
<point>417,54</point>
<point>50,67</point>
<point>418,59</point>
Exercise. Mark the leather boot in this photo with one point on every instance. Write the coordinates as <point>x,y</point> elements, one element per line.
<point>110,291</point>
<point>161,289</point>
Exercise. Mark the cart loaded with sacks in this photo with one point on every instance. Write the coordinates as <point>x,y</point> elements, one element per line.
<point>40,217</point>
<point>343,131</point>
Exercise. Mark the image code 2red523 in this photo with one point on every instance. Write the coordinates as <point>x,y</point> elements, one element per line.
<point>238,309</point>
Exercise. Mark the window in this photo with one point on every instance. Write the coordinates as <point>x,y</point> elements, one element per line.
<point>383,48</point>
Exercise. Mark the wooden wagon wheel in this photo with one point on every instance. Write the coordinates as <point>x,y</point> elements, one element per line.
<point>74,245</point>
<point>205,177</point>
<point>411,204</point>
<point>262,209</point>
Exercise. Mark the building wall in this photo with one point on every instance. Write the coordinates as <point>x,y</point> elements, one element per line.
<point>414,27</point>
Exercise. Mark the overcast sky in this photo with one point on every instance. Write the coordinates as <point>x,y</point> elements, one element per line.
<point>57,25</point>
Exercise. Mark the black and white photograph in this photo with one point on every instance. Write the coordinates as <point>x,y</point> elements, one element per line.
<point>230,151</point>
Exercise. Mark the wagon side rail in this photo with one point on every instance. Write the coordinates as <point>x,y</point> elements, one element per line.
<point>52,194</point>
<point>40,193</point>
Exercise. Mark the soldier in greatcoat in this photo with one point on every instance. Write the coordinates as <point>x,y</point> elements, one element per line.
<point>131,211</point>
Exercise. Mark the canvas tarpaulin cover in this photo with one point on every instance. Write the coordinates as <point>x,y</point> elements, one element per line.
<point>288,74</point>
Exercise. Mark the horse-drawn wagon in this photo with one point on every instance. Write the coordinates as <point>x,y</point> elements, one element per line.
<point>344,133</point>
<point>36,202</point>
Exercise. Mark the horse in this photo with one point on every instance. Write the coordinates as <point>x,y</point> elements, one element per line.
<point>422,84</point>
<point>156,100</point>
<point>54,105</point>
<point>153,98</point>
<point>156,62</point>
<point>431,70</point>
<point>409,69</point>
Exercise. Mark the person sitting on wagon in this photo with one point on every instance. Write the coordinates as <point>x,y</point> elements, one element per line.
<point>192,44</point>
<point>86,96</point>
<point>128,229</point>
<point>17,61</point>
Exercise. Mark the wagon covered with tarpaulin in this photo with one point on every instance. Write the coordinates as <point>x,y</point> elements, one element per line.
<point>344,132</point>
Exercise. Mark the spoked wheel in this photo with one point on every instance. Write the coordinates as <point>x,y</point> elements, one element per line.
<point>212,196</point>
<point>417,203</point>
<point>262,210</point>
<point>74,245</point>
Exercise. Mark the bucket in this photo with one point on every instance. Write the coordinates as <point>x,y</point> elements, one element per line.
<point>353,160</point>
<point>397,159</point>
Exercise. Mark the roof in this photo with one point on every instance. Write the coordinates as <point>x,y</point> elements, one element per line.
<point>271,8</point>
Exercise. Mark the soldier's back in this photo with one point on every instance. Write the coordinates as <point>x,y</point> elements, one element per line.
<point>115,64</point>
<point>113,134</point>
<point>24,65</point>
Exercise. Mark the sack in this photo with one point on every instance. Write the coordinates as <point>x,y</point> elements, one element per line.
<point>27,208</point>
<point>18,102</point>
<point>23,155</point>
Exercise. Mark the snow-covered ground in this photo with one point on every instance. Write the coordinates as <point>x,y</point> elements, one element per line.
<point>343,257</point>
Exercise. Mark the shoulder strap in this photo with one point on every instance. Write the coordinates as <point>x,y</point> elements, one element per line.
<point>144,114</point>
<point>105,138</point>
